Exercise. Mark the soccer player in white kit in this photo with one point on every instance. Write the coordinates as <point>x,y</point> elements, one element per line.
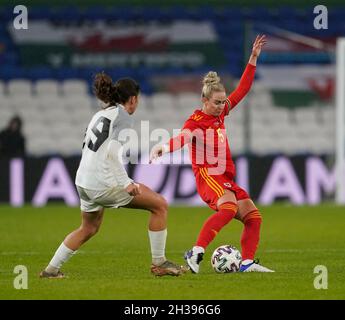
<point>102,181</point>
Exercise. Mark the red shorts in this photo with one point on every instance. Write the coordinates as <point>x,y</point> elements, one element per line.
<point>211,188</point>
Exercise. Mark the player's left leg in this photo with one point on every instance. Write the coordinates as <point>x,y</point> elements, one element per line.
<point>227,208</point>
<point>91,221</point>
<point>249,214</point>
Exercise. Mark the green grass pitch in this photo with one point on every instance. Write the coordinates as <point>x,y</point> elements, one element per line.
<point>115,263</point>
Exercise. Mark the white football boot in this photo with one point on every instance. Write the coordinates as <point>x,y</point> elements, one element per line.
<point>254,266</point>
<point>193,258</point>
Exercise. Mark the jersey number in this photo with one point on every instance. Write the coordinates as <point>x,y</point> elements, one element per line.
<point>100,135</point>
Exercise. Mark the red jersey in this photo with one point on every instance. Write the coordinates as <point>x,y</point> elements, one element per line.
<point>209,147</point>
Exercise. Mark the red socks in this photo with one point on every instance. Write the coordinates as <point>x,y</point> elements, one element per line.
<point>251,234</point>
<point>215,223</point>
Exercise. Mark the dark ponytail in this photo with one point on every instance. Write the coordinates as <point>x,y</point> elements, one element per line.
<point>112,94</point>
<point>103,87</point>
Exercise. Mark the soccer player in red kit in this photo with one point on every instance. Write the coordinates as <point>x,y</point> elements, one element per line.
<point>214,169</point>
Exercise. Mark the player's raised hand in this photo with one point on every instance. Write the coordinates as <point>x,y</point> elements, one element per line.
<point>259,42</point>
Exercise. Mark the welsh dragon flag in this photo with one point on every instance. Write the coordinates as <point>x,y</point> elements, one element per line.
<point>298,85</point>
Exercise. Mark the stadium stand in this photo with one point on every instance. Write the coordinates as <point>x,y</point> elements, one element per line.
<point>57,103</point>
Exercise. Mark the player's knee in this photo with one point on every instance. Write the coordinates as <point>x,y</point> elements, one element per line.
<point>90,230</point>
<point>228,210</point>
<point>253,217</point>
<point>162,207</point>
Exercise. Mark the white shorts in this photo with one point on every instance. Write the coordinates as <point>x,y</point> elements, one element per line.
<point>94,200</point>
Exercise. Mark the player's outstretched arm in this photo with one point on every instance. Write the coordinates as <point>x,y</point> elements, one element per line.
<point>174,144</point>
<point>249,73</point>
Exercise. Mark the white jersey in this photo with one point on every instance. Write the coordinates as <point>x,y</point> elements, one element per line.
<point>100,167</point>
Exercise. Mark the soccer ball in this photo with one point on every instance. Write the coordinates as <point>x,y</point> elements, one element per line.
<point>226,259</point>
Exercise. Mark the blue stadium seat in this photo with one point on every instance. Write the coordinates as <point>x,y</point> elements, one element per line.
<point>6,13</point>
<point>63,73</point>
<point>287,12</point>
<point>179,12</point>
<point>152,13</point>
<point>12,72</point>
<point>93,13</point>
<point>40,73</point>
<point>230,28</point>
<point>119,13</point>
<point>146,87</point>
<point>41,12</point>
<point>89,73</point>
<point>229,13</point>
<point>10,58</point>
<point>70,13</point>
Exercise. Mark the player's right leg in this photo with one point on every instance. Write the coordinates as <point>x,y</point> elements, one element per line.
<point>157,205</point>
<point>91,221</point>
<point>226,205</point>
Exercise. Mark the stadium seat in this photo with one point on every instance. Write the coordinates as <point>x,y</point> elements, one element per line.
<point>2,89</point>
<point>66,13</point>
<point>70,147</point>
<point>19,87</point>
<point>47,88</point>
<point>74,87</point>
<point>160,101</point>
<point>188,102</point>
<point>144,109</point>
<point>41,145</point>
<point>40,73</point>
<point>144,101</point>
<point>54,117</point>
<point>41,12</point>
<point>21,102</point>
<point>46,103</point>
<point>78,102</point>
<point>93,13</point>
<point>328,116</point>
<point>5,116</point>
<point>5,103</point>
<point>304,115</point>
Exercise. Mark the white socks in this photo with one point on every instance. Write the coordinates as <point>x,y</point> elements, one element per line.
<point>62,255</point>
<point>157,242</point>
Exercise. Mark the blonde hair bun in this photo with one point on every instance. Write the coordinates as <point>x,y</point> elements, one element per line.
<point>211,83</point>
<point>211,79</point>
